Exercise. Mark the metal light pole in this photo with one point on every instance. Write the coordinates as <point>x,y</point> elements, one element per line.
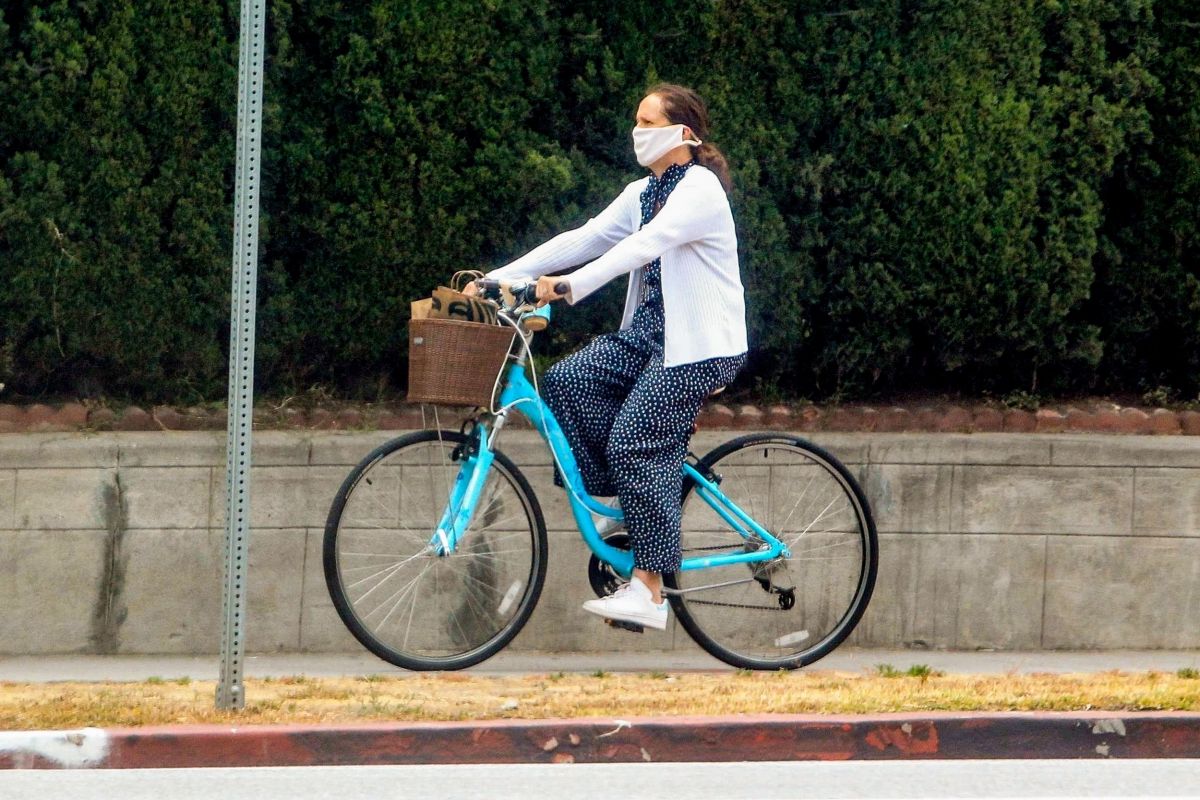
<point>251,43</point>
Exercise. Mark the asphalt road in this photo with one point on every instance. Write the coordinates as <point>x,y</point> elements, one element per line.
<point>752,781</point>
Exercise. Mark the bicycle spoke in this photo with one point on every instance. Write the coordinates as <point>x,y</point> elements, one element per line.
<point>411,610</point>
<point>391,570</point>
<point>770,518</point>
<point>824,558</point>
<point>753,506</point>
<point>799,500</point>
<point>796,541</point>
<point>470,598</point>
<point>494,554</point>
<point>457,624</point>
<point>397,596</point>
<point>819,517</point>
<point>487,586</point>
<point>356,554</point>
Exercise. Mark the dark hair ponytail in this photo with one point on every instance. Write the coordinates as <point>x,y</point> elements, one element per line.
<point>708,155</point>
<point>682,106</point>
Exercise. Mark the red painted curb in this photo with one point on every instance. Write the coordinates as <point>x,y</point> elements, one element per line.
<point>711,739</point>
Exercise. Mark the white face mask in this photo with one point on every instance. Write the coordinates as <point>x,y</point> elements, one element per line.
<point>651,144</point>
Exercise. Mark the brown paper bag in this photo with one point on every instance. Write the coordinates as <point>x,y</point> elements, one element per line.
<point>421,308</point>
<point>451,304</point>
<point>447,302</point>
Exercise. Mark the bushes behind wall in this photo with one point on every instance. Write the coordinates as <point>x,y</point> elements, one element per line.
<point>966,196</point>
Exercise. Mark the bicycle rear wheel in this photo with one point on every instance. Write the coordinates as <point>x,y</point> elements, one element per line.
<point>402,601</point>
<point>789,612</point>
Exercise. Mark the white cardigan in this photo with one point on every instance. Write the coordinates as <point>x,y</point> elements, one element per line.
<point>703,300</point>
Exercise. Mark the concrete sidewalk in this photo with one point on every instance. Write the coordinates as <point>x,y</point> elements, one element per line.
<point>41,669</point>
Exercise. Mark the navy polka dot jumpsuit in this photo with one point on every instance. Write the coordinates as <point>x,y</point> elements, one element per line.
<point>628,418</point>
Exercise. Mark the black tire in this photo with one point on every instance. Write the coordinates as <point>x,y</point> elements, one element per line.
<point>411,474</point>
<point>745,624</point>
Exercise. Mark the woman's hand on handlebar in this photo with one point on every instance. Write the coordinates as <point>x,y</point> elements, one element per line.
<point>518,293</point>
<point>551,288</point>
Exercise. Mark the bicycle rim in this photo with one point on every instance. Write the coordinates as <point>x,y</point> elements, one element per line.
<point>792,611</point>
<point>401,600</point>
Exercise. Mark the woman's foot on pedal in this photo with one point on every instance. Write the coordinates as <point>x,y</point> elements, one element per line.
<point>633,603</point>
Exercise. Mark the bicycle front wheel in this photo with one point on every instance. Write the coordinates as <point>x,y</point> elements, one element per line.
<point>789,612</point>
<point>404,602</point>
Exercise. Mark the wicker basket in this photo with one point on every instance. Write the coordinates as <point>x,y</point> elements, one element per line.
<point>454,362</point>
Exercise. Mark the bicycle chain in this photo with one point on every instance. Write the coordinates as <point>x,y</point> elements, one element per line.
<point>717,602</point>
<point>732,605</point>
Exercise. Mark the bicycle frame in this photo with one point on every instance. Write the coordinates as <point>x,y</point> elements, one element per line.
<point>520,395</point>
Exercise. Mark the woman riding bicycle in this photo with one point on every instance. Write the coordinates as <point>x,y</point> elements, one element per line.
<point>627,401</point>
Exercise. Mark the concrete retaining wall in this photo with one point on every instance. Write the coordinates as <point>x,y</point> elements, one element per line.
<point>113,542</point>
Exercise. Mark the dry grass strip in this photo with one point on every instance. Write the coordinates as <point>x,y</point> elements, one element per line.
<point>458,696</point>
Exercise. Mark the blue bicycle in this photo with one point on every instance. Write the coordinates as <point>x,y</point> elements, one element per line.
<point>435,547</point>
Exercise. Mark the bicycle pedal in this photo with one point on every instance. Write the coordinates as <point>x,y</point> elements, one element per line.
<point>632,627</point>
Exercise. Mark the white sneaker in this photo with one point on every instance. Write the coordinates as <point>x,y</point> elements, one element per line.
<point>633,603</point>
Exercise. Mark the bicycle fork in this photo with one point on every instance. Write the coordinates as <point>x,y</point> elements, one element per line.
<point>476,462</point>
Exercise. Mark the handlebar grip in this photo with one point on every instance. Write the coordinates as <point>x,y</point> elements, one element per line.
<point>562,287</point>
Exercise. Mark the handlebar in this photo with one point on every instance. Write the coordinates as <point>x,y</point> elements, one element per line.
<point>521,292</point>
<point>519,298</point>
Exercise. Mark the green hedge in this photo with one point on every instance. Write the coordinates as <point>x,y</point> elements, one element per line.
<point>966,195</point>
